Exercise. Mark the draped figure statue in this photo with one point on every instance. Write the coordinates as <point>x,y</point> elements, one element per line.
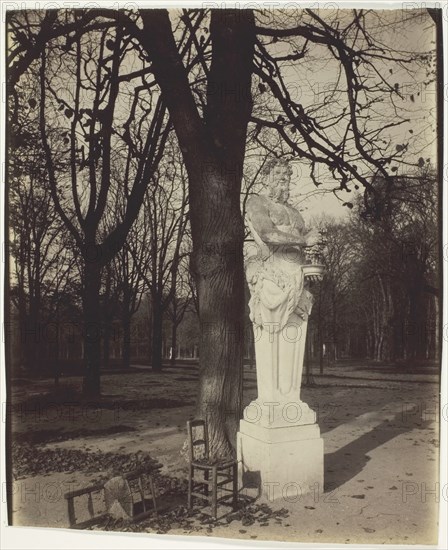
<point>278,275</point>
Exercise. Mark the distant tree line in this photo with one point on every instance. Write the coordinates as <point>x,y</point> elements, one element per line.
<point>379,298</point>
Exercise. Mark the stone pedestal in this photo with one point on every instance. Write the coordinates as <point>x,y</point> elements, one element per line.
<point>279,444</point>
<point>286,461</point>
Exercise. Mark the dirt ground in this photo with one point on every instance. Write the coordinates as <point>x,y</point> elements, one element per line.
<point>380,432</point>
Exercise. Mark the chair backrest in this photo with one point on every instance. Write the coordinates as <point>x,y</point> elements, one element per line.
<point>197,442</point>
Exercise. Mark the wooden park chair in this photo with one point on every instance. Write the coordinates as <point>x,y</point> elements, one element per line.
<point>134,492</point>
<point>207,477</point>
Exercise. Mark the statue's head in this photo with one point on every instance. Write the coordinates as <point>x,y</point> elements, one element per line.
<point>278,172</point>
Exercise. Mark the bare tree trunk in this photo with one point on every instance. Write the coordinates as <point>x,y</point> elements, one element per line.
<point>126,350</point>
<point>335,328</point>
<point>220,283</point>
<point>417,318</point>
<point>34,341</point>
<point>106,343</point>
<point>252,353</point>
<point>173,342</point>
<point>174,325</point>
<point>436,319</point>
<point>126,318</point>
<point>22,325</point>
<point>92,328</point>
<point>106,319</point>
<point>157,334</point>
<point>149,329</point>
<point>57,367</point>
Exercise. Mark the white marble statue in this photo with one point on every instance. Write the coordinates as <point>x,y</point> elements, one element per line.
<point>278,272</point>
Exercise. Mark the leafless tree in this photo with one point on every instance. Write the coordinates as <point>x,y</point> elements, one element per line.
<point>181,302</point>
<point>37,235</point>
<point>165,217</point>
<point>94,134</point>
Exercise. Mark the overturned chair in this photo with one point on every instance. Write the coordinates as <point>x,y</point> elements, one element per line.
<point>131,497</point>
<point>206,476</point>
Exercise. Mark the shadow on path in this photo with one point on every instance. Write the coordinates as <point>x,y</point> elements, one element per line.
<point>347,462</point>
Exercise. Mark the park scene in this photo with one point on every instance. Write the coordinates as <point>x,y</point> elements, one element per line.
<point>224,272</point>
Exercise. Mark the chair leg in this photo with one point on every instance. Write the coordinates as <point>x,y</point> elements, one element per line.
<point>153,491</point>
<point>190,487</point>
<point>71,511</point>
<point>235,486</point>
<point>215,492</point>
<point>206,478</point>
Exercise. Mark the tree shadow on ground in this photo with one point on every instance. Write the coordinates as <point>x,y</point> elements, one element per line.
<point>37,437</point>
<point>348,461</point>
<point>69,397</point>
<point>332,414</point>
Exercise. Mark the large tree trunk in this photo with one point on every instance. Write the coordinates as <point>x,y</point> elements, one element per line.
<point>92,328</point>
<point>219,275</point>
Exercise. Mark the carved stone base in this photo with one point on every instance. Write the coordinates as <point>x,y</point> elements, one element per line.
<point>279,414</point>
<point>287,462</point>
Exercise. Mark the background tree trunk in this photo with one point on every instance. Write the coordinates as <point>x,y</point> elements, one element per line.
<point>319,333</point>
<point>107,316</point>
<point>57,366</point>
<point>173,342</point>
<point>126,352</point>
<point>92,328</point>
<point>106,343</point>
<point>157,334</point>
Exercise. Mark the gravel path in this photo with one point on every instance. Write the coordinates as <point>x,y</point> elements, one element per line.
<point>381,456</point>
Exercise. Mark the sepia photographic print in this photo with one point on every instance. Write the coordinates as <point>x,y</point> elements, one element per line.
<point>224,255</point>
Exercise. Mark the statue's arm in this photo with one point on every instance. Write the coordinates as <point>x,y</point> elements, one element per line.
<point>311,236</point>
<point>258,215</point>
